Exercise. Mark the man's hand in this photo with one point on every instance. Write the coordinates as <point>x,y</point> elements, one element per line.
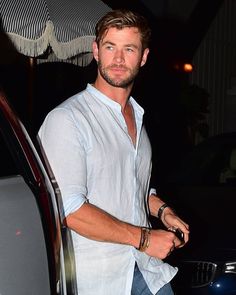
<point>171,220</point>
<point>168,217</point>
<point>162,243</point>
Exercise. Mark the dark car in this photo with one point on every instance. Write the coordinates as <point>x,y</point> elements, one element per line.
<point>36,255</point>
<point>203,191</point>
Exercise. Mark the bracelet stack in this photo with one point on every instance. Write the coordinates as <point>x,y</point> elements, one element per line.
<point>145,239</point>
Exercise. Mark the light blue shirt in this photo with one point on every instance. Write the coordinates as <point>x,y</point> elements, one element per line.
<point>93,159</point>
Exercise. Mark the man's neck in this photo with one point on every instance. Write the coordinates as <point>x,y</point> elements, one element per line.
<point>118,94</point>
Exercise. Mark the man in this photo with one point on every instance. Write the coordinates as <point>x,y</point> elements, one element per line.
<point>100,154</point>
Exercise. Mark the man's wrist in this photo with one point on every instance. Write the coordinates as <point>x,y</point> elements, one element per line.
<point>144,239</point>
<point>161,210</point>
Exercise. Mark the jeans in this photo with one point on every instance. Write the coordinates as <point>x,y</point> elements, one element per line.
<point>139,286</point>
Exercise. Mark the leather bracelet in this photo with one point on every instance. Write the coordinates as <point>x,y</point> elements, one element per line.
<point>144,239</point>
<point>161,209</point>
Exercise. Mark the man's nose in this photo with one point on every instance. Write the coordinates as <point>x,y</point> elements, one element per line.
<point>119,56</point>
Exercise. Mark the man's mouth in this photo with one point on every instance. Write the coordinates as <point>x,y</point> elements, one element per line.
<point>117,68</point>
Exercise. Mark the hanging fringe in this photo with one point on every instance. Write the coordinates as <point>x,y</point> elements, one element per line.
<point>37,47</point>
<point>32,48</point>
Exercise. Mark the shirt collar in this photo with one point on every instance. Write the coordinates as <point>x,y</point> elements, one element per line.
<point>111,103</point>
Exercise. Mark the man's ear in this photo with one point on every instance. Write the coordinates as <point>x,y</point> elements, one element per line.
<point>95,50</point>
<point>145,55</point>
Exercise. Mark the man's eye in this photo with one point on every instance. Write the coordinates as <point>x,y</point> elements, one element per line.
<point>109,47</point>
<point>129,49</point>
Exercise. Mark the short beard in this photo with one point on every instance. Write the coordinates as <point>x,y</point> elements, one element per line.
<point>118,83</point>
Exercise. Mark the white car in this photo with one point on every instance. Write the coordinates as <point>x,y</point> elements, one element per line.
<point>36,253</point>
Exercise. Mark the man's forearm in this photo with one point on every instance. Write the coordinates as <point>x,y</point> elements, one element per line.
<point>94,223</point>
<point>154,204</point>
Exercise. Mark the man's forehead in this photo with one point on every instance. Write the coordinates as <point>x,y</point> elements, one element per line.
<point>120,32</point>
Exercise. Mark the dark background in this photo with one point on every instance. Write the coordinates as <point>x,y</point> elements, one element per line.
<point>35,89</point>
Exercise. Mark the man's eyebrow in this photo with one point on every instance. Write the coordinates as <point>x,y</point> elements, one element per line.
<point>126,45</point>
<point>131,45</point>
<point>108,43</point>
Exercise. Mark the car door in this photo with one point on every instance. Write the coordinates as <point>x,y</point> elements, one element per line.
<point>36,255</point>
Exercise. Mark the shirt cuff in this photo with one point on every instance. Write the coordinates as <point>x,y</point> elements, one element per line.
<point>152,191</point>
<point>73,204</point>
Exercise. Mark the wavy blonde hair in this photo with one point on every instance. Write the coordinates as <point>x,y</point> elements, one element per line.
<point>122,18</point>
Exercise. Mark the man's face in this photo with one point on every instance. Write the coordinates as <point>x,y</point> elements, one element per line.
<point>119,56</point>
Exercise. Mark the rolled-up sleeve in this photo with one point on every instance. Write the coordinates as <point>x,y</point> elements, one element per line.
<point>63,146</point>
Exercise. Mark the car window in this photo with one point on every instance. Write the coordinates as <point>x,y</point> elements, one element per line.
<point>7,164</point>
<point>208,164</point>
